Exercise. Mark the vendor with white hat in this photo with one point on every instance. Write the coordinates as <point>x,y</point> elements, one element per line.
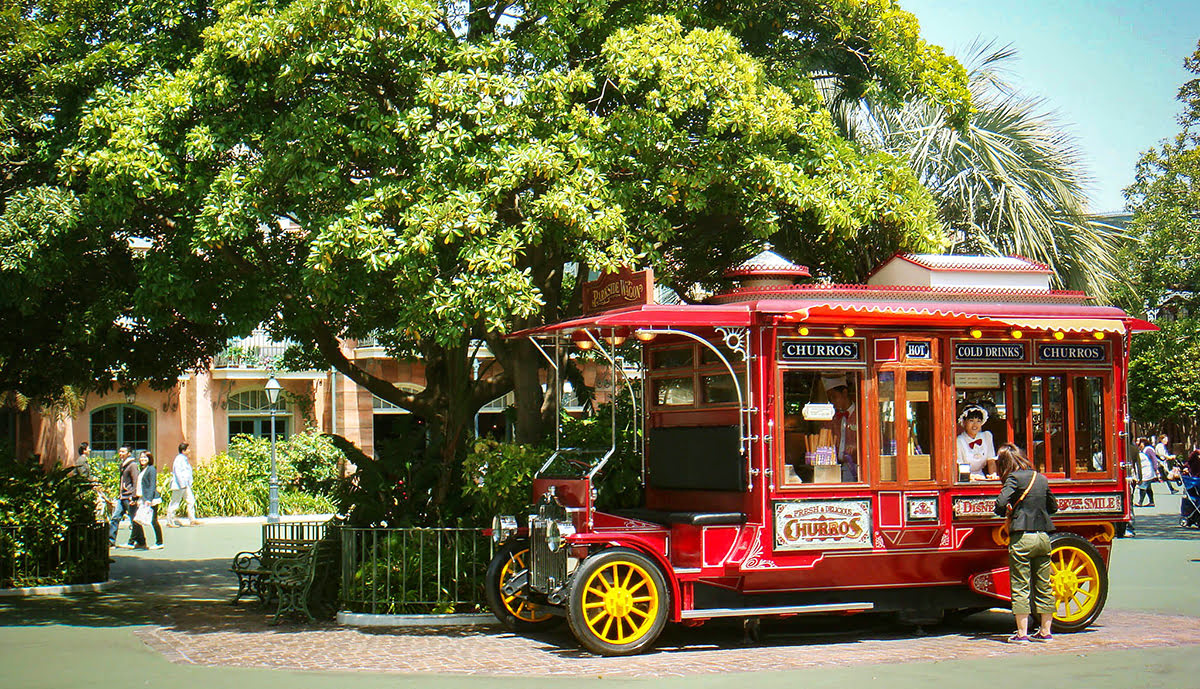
<point>844,424</point>
<point>976,449</point>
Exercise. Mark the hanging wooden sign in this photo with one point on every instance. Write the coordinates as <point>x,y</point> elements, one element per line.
<point>618,290</point>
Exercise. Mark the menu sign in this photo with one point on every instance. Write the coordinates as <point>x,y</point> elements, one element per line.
<point>821,350</point>
<point>615,290</point>
<point>978,352</point>
<point>822,524</point>
<point>1072,353</point>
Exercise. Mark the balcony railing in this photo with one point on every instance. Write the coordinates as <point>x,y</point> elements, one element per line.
<point>258,351</point>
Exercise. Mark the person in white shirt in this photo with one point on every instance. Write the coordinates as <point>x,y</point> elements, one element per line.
<point>976,449</point>
<point>181,488</point>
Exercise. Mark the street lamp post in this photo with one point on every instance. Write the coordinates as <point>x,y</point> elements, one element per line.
<point>273,388</point>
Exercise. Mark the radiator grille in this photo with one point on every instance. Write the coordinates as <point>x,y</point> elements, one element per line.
<point>547,570</point>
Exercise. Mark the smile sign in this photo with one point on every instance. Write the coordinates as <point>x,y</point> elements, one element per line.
<point>822,524</point>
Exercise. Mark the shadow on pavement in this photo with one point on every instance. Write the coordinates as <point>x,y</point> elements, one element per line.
<point>1163,527</point>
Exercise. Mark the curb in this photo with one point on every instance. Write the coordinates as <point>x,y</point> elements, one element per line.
<point>356,619</point>
<point>263,520</point>
<point>30,591</point>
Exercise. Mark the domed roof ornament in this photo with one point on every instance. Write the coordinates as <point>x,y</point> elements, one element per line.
<point>767,269</point>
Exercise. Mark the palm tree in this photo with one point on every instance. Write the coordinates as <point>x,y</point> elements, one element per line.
<point>1011,182</point>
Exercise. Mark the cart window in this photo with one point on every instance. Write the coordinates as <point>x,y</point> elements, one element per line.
<point>718,389</point>
<point>1089,424</point>
<point>672,358</point>
<point>982,414</point>
<point>820,427</point>
<point>1049,435</point>
<point>673,392</point>
<point>918,395</point>
<point>887,426</point>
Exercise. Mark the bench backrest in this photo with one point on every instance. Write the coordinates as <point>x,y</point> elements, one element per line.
<point>275,548</point>
<point>695,458</point>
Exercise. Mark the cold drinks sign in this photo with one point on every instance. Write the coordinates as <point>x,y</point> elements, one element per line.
<point>988,352</point>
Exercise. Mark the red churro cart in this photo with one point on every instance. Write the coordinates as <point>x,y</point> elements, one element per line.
<point>802,450</point>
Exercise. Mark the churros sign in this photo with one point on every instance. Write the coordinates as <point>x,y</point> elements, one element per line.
<point>822,525</point>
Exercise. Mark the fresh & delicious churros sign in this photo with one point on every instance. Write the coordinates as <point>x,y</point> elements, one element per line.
<point>822,524</point>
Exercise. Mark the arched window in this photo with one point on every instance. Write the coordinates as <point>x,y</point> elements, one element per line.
<point>249,413</point>
<point>120,425</point>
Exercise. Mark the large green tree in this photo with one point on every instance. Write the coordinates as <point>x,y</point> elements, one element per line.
<point>424,172</point>
<point>1165,262</point>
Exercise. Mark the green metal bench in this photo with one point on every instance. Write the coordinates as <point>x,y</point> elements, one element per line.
<point>307,580</point>
<point>279,540</point>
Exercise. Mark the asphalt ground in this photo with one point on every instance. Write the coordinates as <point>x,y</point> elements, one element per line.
<point>168,621</point>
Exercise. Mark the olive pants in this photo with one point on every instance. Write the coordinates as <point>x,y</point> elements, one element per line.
<point>1029,563</point>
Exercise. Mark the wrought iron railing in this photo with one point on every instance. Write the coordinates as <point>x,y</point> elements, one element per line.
<point>414,571</point>
<point>258,351</point>
<point>36,556</point>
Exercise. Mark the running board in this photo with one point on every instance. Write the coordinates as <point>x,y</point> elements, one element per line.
<point>776,610</point>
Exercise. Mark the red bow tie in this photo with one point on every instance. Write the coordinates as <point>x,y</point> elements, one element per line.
<point>841,415</point>
<point>975,443</point>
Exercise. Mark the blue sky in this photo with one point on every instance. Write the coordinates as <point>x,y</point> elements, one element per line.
<point>1109,69</point>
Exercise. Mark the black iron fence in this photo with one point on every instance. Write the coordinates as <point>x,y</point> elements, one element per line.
<point>413,571</point>
<point>295,531</point>
<point>37,556</point>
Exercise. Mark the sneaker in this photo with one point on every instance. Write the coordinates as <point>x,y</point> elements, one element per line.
<point>194,522</point>
<point>126,546</point>
<point>1042,637</point>
<point>156,546</point>
<point>173,524</point>
<point>140,547</point>
<point>1018,638</point>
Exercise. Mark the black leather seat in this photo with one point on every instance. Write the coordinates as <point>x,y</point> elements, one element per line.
<point>694,518</point>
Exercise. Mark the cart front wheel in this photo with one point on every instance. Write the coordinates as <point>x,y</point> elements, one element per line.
<point>514,611</point>
<point>1079,580</point>
<point>618,603</point>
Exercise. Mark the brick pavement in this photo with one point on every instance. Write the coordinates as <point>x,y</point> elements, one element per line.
<point>206,635</point>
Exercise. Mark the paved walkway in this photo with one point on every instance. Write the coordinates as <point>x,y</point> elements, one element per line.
<point>170,621</point>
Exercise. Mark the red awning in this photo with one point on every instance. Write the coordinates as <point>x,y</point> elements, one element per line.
<point>655,316</point>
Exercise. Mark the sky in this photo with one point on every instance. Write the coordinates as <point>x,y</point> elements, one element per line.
<point>1109,69</point>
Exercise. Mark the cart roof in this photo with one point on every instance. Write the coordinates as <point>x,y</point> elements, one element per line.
<point>872,306</point>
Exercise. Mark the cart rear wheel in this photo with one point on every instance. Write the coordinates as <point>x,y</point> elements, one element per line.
<point>1079,580</point>
<point>514,612</point>
<point>619,602</point>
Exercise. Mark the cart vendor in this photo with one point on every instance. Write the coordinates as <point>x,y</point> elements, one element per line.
<point>844,425</point>
<point>976,449</point>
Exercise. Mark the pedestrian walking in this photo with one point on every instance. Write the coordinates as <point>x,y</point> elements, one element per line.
<point>81,467</point>
<point>181,488</point>
<point>1147,473</point>
<point>148,501</point>
<point>1167,470</point>
<point>1028,503</point>
<point>126,492</point>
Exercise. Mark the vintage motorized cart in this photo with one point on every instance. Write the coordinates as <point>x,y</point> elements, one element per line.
<point>801,451</point>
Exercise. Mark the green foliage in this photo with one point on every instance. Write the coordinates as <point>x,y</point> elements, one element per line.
<point>392,490</point>
<point>37,509</point>
<point>236,482</point>
<point>499,477</point>
<point>1164,372</point>
<point>1164,379</point>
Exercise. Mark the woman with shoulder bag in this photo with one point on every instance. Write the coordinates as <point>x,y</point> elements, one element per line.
<point>147,504</point>
<point>1027,502</point>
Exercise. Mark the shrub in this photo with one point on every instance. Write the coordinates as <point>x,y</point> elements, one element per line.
<point>499,477</point>
<point>37,510</point>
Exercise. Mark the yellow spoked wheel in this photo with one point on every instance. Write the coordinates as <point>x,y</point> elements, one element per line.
<point>514,610</point>
<point>618,602</point>
<point>1079,581</point>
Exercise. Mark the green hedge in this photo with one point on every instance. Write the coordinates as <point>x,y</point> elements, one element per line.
<point>236,482</point>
